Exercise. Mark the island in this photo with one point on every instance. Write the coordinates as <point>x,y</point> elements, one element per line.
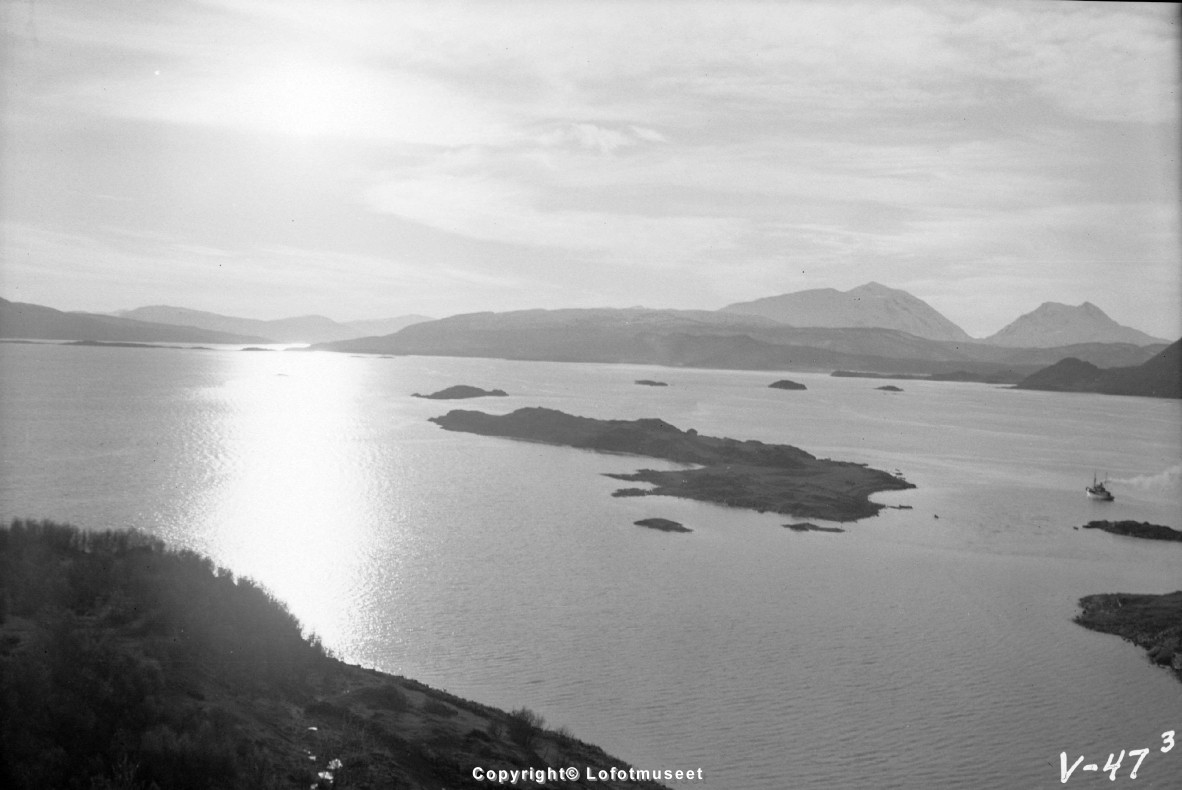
<point>651,383</point>
<point>785,384</point>
<point>1153,622</point>
<point>808,526</point>
<point>750,474</point>
<point>662,524</point>
<point>1136,529</point>
<point>890,388</point>
<point>462,391</point>
<point>127,664</point>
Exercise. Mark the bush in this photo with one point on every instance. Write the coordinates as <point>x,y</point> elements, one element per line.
<point>523,727</point>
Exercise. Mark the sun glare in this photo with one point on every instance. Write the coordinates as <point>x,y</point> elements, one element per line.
<point>307,99</point>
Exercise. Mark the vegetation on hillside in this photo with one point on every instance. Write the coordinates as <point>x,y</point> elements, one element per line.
<point>125,665</point>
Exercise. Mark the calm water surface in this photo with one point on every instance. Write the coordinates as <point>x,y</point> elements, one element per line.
<point>930,647</point>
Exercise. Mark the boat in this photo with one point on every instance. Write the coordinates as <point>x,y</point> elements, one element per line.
<point>1099,491</point>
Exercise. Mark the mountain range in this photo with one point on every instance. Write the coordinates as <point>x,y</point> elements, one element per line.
<point>877,330</point>
<point>301,329</point>
<point>33,321</point>
<point>714,339</point>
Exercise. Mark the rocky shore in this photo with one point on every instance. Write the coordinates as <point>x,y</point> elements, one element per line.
<point>776,478</point>
<point>1153,622</point>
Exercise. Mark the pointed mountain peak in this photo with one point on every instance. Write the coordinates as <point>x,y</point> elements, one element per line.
<point>1056,324</point>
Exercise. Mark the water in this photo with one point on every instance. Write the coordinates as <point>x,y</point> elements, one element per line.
<point>930,647</point>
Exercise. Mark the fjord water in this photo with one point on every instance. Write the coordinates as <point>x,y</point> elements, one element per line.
<point>925,647</point>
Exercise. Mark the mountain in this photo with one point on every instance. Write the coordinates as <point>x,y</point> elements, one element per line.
<point>302,329</point>
<point>1055,324</point>
<point>32,321</point>
<point>869,305</point>
<point>385,326</point>
<point>705,339</point>
<point>1160,377</point>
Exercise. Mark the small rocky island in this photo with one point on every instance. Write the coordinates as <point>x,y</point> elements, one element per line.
<point>460,391</point>
<point>809,526</point>
<point>662,524</point>
<point>1136,529</point>
<point>785,384</point>
<point>750,474</point>
<point>651,383</point>
<point>890,388</point>
<point>1153,622</point>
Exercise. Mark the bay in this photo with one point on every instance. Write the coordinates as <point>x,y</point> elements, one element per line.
<point>925,647</point>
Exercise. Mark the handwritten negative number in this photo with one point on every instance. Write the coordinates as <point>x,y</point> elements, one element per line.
<point>1112,767</point>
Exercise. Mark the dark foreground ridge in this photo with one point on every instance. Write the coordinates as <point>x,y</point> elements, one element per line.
<point>750,474</point>
<point>128,666</point>
<point>1136,529</point>
<point>1153,622</point>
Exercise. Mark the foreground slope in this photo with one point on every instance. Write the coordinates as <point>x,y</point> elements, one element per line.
<point>125,665</point>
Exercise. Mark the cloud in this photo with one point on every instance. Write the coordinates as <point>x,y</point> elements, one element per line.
<point>600,138</point>
<point>508,212</point>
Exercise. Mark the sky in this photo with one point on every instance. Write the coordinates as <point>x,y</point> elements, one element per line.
<point>373,159</point>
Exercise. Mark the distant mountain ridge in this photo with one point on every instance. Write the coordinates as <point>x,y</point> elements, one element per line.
<point>300,329</point>
<point>1055,324</point>
<point>712,339</point>
<point>869,305</point>
<point>34,321</point>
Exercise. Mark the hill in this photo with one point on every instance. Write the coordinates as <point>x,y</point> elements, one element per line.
<point>301,329</point>
<point>126,665</point>
<point>869,305</point>
<point>1054,324</point>
<point>32,321</point>
<point>1160,377</point>
<point>708,339</point>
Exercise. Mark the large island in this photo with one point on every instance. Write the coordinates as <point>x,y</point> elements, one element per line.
<point>775,478</point>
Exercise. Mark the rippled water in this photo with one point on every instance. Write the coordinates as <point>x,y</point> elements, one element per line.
<point>930,647</point>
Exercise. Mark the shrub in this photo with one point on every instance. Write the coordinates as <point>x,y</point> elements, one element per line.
<point>523,726</point>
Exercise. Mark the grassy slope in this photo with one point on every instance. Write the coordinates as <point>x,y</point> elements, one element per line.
<point>126,665</point>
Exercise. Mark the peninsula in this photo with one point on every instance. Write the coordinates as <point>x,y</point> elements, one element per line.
<point>1153,622</point>
<point>750,474</point>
